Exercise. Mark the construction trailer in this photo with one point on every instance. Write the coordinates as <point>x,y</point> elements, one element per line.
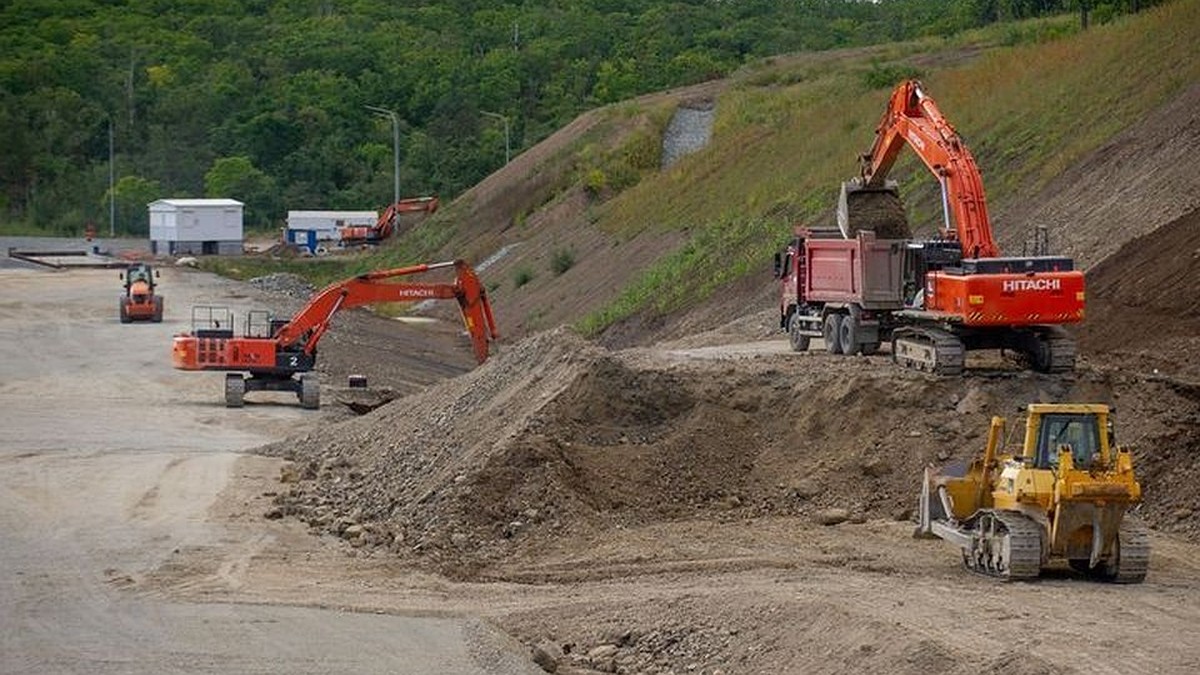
<point>310,228</point>
<point>196,227</point>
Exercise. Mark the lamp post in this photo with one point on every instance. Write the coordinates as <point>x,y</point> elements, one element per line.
<point>112,197</point>
<point>502,118</point>
<point>391,114</point>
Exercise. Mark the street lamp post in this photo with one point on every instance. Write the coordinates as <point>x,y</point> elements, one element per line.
<point>112,201</point>
<point>502,118</point>
<point>391,114</point>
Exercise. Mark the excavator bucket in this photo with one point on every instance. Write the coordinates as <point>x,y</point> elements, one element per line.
<point>864,207</point>
<point>476,310</point>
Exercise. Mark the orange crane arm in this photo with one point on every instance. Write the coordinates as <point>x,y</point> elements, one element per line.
<point>386,224</point>
<point>313,320</point>
<point>913,118</point>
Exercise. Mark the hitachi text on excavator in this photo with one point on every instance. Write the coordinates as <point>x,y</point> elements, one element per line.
<point>278,354</point>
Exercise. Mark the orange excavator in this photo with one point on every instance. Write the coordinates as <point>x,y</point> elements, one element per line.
<point>279,353</point>
<point>385,226</point>
<point>962,294</point>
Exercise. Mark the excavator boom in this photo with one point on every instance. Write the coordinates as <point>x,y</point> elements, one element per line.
<point>311,322</point>
<point>914,119</point>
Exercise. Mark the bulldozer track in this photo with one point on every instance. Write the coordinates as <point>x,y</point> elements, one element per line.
<point>1006,545</point>
<point>1133,557</point>
<point>929,349</point>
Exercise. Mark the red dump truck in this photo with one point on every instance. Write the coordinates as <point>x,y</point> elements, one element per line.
<point>841,290</point>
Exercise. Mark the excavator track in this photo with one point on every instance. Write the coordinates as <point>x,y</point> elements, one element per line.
<point>1005,545</point>
<point>1062,350</point>
<point>1133,553</point>
<point>929,349</point>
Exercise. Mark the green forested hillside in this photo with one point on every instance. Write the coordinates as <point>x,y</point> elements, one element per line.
<point>265,101</point>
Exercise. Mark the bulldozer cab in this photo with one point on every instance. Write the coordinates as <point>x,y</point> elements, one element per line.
<point>1077,431</point>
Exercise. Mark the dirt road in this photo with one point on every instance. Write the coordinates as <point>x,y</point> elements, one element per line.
<point>111,464</point>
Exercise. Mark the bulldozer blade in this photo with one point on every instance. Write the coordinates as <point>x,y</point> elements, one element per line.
<point>925,517</point>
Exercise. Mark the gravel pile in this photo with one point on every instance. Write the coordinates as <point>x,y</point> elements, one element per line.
<point>418,475</point>
<point>690,130</point>
<point>292,285</point>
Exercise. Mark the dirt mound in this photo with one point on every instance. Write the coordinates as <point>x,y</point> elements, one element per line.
<point>286,283</point>
<point>1142,304</point>
<point>555,442</point>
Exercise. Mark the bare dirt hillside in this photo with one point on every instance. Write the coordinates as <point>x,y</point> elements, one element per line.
<point>1142,179</point>
<point>1142,304</point>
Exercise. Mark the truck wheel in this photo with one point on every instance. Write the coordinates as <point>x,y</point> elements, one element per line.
<point>310,391</point>
<point>158,309</point>
<point>235,390</point>
<point>123,310</point>
<point>848,335</point>
<point>799,342</point>
<point>831,332</point>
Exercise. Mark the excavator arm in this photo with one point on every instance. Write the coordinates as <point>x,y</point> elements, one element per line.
<point>913,118</point>
<point>313,320</point>
<point>291,348</point>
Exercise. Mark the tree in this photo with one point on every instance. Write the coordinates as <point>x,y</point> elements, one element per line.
<point>131,195</point>
<point>237,178</point>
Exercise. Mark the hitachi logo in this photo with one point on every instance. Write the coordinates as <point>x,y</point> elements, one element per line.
<point>1013,285</point>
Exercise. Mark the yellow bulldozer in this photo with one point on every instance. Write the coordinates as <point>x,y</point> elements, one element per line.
<point>1064,495</point>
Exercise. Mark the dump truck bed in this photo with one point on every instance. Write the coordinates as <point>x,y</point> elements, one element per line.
<point>863,270</point>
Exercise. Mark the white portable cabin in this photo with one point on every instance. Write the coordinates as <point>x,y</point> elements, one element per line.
<point>326,223</point>
<point>196,227</point>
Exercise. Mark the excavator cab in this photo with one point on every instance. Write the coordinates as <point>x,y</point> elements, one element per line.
<point>139,272</point>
